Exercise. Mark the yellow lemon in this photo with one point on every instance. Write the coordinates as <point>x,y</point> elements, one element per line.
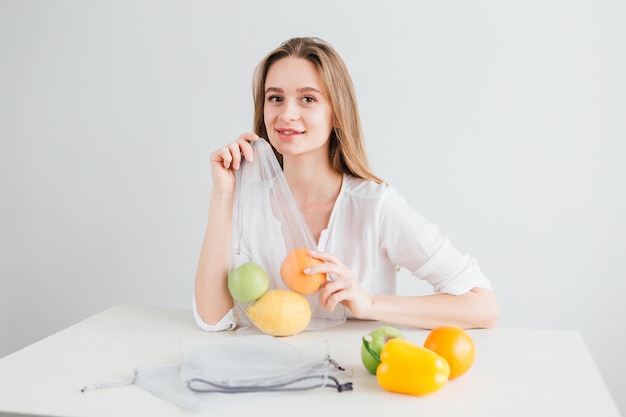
<point>280,312</point>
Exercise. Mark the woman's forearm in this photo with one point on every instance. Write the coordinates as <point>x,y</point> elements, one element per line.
<point>477,308</point>
<point>211,289</point>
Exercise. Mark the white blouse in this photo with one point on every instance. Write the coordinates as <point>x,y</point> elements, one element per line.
<point>372,230</point>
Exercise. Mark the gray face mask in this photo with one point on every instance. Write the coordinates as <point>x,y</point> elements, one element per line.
<point>246,365</point>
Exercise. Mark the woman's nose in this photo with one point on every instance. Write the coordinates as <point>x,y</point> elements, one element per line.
<point>289,112</point>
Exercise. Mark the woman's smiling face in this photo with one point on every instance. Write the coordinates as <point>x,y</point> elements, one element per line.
<point>297,111</point>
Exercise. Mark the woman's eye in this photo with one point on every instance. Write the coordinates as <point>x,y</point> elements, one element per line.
<point>308,99</point>
<point>275,99</point>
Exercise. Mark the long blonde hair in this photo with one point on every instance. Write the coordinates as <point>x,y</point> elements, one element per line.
<point>347,149</point>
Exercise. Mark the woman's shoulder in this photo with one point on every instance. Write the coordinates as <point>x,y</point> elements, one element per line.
<point>367,189</point>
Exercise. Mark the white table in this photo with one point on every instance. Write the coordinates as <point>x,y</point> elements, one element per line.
<point>517,372</point>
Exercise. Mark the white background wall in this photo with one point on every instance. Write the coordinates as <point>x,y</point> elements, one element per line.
<point>503,122</point>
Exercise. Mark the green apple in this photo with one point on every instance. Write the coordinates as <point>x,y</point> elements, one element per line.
<point>373,344</point>
<point>247,282</point>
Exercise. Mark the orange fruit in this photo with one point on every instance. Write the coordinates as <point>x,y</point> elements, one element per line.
<point>292,272</point>
<point>455,346</point>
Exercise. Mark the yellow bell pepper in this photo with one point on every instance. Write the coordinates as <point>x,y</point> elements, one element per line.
<point>410,369</point>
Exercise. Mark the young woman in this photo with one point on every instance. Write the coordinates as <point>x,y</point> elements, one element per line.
<point>306,108</point>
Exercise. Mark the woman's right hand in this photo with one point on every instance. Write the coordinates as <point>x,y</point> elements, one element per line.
<point>225,161</point>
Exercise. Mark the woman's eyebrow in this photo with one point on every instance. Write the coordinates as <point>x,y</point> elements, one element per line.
<point>299,90</point>
<point>273,89</point>
<point>306,89</point>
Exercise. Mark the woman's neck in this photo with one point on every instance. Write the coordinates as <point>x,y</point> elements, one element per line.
<point>315,189</point>
<point>312,182</point>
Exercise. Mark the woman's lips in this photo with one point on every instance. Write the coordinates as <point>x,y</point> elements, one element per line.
<point>289,134</point>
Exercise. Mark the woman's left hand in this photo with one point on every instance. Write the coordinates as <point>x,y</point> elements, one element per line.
<point>344,288</point>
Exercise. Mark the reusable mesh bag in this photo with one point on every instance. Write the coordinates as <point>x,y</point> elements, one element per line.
<point>252,366</point>
<point>267,225</point>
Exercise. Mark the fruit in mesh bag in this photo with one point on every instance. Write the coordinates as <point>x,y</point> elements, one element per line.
<point>292,272</point>
<point>247,282</point>
<point>280,312</point>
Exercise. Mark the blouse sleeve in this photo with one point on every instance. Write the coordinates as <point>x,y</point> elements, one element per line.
<point>414,243</point>
<point>228,322</point>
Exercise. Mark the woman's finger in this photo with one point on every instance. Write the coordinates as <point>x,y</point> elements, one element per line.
<point>337,294</point>
<point>231,154</point>
<point>223,157</point>
<point>235,152</point>
<point>244,142</point>
<point>326,257</point>
<point>333,287</point>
